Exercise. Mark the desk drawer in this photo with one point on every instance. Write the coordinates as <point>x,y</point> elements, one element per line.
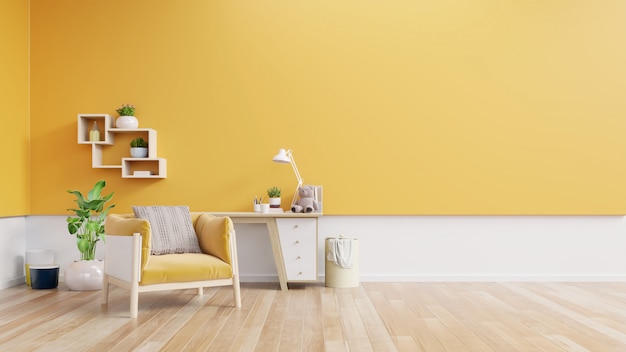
<point>298,241</point>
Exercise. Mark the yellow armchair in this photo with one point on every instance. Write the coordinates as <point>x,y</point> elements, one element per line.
<point>128,263</point>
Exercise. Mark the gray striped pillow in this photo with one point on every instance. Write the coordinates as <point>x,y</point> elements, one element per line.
<point>172,230</point>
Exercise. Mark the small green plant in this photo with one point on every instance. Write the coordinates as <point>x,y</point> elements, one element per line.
<point>138,143</point>
<point>88,224</point>
<point>126,110</point>
<point>273,192</point>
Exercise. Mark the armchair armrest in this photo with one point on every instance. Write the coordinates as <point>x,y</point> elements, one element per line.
<point>127,225</point>
<point>122,257</point>
<point>215,236</point>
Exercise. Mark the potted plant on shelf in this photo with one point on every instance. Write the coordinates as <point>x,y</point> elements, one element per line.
<point>274,194</point>
<point>88,227</point>
<point>127,117</point>
<point>138,148</point>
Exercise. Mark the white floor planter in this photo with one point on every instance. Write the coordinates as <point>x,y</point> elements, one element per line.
<point>84,275</point>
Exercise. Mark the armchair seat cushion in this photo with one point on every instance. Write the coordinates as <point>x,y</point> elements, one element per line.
<point>184,267</point>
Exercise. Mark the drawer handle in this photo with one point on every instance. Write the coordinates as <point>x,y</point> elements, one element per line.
<point>298,257</point>
<point>295,226</point>
<point>297,242</point>
<point>300,273</point>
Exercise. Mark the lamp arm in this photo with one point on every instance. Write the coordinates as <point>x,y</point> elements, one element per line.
<point>295,170</point>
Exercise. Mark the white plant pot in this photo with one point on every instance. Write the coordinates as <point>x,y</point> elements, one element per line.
<point>275,202</point>
<point>128,122</point>
<point>84,275</point>
<point>139,152</point>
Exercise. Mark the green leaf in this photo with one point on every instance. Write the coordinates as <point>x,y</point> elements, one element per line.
<point>83,245</point>
<point>72,219</point>
<point>92,226</point>
<point>96,190</point>
<point>73,227</point>
<point>79,196</point>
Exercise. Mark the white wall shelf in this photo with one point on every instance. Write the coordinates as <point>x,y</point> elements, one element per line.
<point>144,168</point>
<point>85,123</point>
<point>149,167</point>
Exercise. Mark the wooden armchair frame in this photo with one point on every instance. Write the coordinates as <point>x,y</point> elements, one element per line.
<point>125,253</point>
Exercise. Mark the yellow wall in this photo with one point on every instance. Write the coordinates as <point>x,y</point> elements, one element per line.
<point>395,107</point>
<point>14,177</point>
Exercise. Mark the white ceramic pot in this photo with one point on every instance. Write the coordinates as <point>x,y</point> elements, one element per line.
<point>128,122</point>
<point>275,202</point>
<point>139,152</point>
<point>84,275</point>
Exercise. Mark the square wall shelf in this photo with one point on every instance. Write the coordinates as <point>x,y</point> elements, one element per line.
<point>85,124</point>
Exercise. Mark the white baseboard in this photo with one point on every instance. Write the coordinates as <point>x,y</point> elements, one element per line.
<point>13,282</point>
<point>475,278</point>
<point>392,278</point>
<point>258,278</point>
<point>494,278</point>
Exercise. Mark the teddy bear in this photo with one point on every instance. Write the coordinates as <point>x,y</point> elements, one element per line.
<point>306,203</point>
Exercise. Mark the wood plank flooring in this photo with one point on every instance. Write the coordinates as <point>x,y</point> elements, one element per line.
<point>427,317</point>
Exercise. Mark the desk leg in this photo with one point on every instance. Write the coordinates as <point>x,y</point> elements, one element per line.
<point>278,253</point>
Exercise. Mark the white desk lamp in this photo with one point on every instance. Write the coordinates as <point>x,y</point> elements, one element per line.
<point>284,157</point>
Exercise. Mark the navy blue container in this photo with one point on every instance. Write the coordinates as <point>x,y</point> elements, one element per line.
<point>44,276</point>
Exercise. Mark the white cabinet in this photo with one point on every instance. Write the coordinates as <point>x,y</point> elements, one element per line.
<point>298,242</point>
<point>150,167</point>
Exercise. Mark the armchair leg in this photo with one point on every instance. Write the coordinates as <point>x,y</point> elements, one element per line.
<point>236,291</point>
<point>200,291</point>
<point>104,298</point>
<point>134,299</point>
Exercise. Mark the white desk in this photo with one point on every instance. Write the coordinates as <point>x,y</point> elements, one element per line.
<point>294,242</point>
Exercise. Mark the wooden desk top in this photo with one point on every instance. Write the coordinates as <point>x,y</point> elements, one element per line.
<point>250,214</point>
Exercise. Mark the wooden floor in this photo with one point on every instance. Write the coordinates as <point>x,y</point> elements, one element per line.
<point>373,317</point>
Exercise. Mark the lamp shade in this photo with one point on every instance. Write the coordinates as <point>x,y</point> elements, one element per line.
<point>282,157</point>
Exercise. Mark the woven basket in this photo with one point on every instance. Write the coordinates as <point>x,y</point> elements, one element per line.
<point>339,277</point>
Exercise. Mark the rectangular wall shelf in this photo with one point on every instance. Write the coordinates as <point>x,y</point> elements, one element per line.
<point>144,168</point>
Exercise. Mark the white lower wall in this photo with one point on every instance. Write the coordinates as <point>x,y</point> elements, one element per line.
<point>486,248</point>
<point>12,250</point>
<point>400,248</point>
<point>463,248</point>
<point>50,232</point>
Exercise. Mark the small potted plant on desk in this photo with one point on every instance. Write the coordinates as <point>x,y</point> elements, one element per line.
<point>274,194</point>
<point>138,148</point>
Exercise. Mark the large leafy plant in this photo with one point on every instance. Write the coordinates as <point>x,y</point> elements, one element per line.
<point>88,224</point>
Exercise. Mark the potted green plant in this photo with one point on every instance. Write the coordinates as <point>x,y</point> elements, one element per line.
<point>274,194</point>
<point>126,110</point>
<point>138,148</point>
<point>88,227</point>
<point>127,117</point>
